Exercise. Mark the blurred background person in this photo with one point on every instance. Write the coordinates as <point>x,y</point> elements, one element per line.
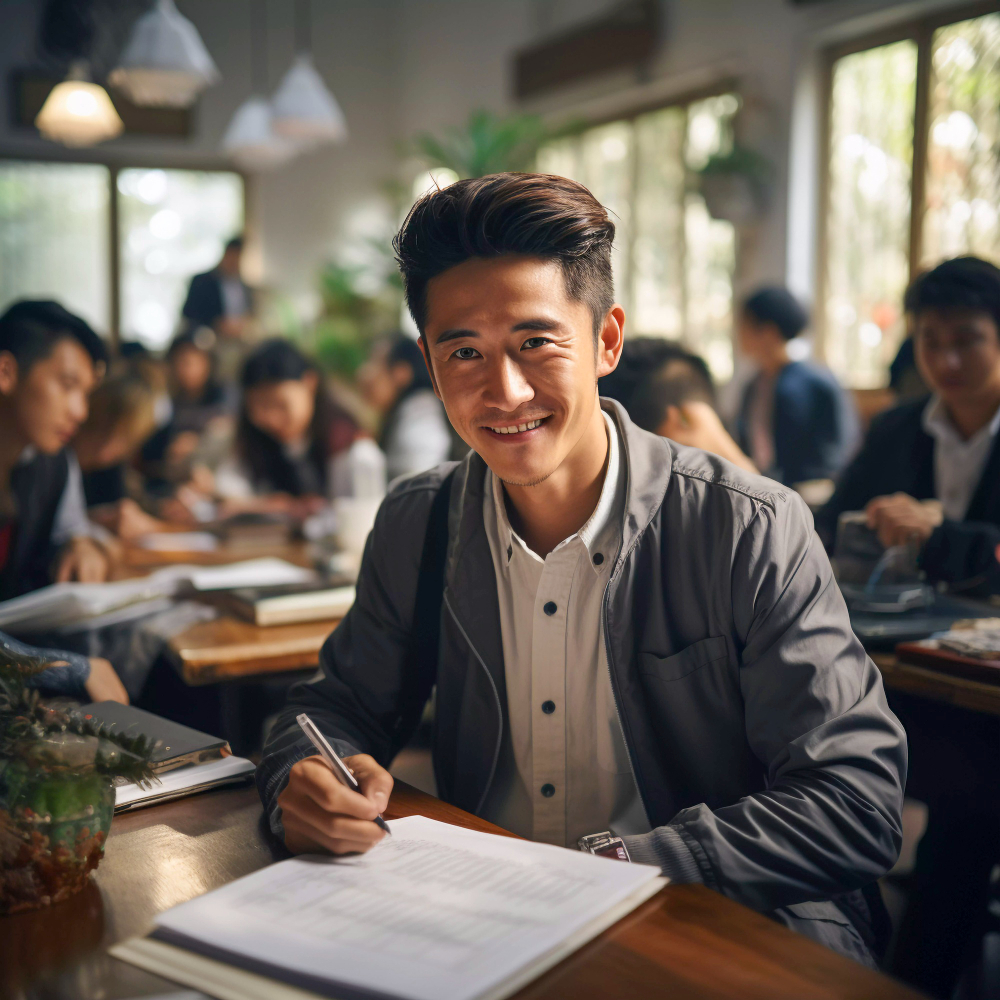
<point>50,361</point>
<point>669,391</point>
<point>293,442</point>
<point>220,299</point>
<point>795,422</point>
<point>415,433</point>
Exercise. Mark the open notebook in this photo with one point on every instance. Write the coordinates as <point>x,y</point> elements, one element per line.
<point>434,912</point>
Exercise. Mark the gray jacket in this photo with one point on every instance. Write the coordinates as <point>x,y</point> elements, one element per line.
<point>767,758</point>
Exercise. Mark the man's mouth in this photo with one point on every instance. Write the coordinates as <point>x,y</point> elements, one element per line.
<point>522,428</point>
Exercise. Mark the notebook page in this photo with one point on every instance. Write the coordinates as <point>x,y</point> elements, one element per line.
<point>434,912</point>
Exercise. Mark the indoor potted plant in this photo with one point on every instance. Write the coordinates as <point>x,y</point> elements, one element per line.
<point>57,794</point>
<point>736,185</point>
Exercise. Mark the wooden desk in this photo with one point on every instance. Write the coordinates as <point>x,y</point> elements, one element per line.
<point>230,649</point>
<point>686,942</point>
<point>937,685</point>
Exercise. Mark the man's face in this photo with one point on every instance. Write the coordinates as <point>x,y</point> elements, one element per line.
<point>284,410</point>
<point>958,353</point>
<point>191,368</point>
<point>514,362</point>
<point>49,400</point>
<point>230,263</point>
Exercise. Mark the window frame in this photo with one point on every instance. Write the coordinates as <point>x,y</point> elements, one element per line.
<point>921,32</point>
<point>114,233</point>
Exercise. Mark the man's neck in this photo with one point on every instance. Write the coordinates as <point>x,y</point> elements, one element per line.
<point>774,360</point>
<point>971,415</point>
<point>559,507</point>
<point>12,445</point>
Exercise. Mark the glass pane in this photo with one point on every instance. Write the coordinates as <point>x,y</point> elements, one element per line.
<point>868,214</point>
<point>710,258</point>
<point>658,291</point>
<point>173,224</point>
<point>963,152</point>
<point>54,236</point>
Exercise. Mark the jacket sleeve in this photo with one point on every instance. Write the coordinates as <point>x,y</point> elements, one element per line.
<point>829,819</point>
<point>363,698</point>
<point>964,554</point>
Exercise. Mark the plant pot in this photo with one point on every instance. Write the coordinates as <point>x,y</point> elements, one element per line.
<point>54,824</point>
<point>731,197</point>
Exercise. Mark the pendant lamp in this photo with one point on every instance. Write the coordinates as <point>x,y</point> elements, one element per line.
<point>78,112</point>
<point>304,108</point>
<point>250,140</point>
<point>165,63</point>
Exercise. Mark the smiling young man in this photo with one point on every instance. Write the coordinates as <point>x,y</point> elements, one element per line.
<point>625,635</point>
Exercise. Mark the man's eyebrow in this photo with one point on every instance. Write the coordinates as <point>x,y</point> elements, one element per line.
<point>536,324</point>
<point>456,334</point>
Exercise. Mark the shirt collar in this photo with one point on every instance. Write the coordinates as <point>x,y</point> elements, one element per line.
<point>937,423</point>
<point>598,533</point>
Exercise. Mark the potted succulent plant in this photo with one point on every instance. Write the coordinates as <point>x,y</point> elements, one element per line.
<point>736,185</point>
<point>57,793</point>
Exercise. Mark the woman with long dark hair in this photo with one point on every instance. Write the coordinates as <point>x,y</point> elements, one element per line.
<point>292,440</point>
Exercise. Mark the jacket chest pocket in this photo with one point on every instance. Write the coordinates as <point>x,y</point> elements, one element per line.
<point>672,668</point>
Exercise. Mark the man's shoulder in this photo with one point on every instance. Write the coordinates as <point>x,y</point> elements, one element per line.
<point>418,489</point>
<point>906,416</point>
<point>710,478</point>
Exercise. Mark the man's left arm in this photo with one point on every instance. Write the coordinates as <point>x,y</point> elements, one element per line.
<point>80,556</point>
<point>829,818</point>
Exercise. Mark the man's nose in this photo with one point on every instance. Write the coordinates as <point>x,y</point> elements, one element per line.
<point>506,386</point>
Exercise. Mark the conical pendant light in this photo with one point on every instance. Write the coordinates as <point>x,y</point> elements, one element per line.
<point>250,140</point>
<point>304,108</point>
<point>165,63</point>
<point>78,112</point>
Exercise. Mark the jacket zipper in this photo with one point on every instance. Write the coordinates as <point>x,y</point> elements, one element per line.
<point>496,698</point>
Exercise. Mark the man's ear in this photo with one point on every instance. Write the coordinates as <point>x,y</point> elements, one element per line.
<point>8,373</point>
<point>430,368</point>
<point>610,339</point>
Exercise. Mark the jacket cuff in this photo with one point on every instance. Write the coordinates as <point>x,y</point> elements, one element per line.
<point>272,776</point>
<point>665,848</point>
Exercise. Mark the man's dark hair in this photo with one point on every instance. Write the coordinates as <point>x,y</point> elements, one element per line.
<point>236,243</point>
<point>537,215</point>
<point>30,330</point>
<point>960,283</point>
<point>778,306</point>
<point>653,374</point>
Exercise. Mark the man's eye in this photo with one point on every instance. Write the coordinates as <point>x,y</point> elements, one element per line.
<point>466,353</point>
<point>533,342</point>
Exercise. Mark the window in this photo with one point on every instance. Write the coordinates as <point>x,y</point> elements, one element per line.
<point>54,234</point>
<point>912,178</point>
<point>56,238</point>
<point>673,263</point>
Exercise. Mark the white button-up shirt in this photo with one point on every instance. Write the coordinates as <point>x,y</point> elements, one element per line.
<point>958,463</point>
<point>563,770</point>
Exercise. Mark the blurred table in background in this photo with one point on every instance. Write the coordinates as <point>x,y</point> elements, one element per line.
<point>936,685</point>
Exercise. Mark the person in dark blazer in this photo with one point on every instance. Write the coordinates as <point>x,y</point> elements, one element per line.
<point>795,421</point>
<point>219,298</point>
<point>929,470</point>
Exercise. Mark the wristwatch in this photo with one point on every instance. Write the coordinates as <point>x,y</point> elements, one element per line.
<point>607,845</point>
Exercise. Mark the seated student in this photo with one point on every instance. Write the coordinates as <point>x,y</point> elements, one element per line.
<point>415,431</point>
<point>624,633</point>
<point>943,448</point>
<point>71,674</point>
<point>795,422</point>
<point>671,393</point>
<point>293,443</point>
<point>50,361</point>
<point>120,419</point>
<point>199,404</point>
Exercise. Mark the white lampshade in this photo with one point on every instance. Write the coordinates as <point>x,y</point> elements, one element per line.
<point>78,112</point>
<point>165,63</point>
<point>251,141</point>
<point>304,108</point>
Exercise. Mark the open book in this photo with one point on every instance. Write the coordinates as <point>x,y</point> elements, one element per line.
<point>434,912</point>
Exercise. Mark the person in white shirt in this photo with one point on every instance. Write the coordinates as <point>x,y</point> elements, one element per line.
<point>395,382</point>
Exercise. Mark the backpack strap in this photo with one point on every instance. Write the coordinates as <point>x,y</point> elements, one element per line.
<point>421,671</point>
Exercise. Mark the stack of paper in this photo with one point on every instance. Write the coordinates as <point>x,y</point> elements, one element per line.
<point>434,912</point>
<point>183,781</point>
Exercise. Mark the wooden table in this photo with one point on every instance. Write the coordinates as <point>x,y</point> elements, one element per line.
<point>937,685</point>
<point>686,942</point>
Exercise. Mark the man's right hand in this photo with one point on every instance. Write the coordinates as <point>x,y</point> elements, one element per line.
<point>320,814</point>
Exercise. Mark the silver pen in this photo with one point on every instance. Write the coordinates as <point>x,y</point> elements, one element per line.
<point>339,768</point>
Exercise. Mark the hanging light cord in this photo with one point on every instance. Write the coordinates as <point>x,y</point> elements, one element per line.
<point>303,26</point>
<point>258,46</point>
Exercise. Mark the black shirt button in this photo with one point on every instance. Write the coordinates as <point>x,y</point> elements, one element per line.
<point>598,558</point>
<point>548,790</point>
<point>548,707</point>
<point>550,608</point>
